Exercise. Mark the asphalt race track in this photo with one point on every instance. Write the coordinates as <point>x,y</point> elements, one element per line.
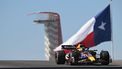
<point>42,64</point>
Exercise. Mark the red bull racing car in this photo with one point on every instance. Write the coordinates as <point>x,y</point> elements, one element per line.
<point>71,55</point>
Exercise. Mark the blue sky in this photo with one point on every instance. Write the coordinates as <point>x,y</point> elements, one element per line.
<point>21,39</point>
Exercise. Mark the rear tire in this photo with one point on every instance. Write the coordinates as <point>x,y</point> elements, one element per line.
<point>104,56</point>
<point>60,57</point>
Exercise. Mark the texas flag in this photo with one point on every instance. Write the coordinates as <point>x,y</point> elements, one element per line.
<point>94,32</point>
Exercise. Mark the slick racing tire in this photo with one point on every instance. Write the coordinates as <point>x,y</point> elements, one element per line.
<point>60,57</point>
<point>104,57</point>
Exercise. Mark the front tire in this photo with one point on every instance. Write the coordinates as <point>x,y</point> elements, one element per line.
<point>104,56</point>
<point>60,57</point>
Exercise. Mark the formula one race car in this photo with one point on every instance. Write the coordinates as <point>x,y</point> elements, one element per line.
<point>71,55</point>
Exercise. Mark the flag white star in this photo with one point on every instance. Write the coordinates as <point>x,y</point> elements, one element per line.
<point>102,26</point>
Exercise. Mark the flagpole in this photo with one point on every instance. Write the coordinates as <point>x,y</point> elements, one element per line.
<point>112,43</point>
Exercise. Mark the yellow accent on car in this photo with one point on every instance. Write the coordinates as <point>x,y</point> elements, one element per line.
<point>91,58</point>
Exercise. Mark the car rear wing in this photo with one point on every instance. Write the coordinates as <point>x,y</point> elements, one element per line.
<point>69,47</point>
